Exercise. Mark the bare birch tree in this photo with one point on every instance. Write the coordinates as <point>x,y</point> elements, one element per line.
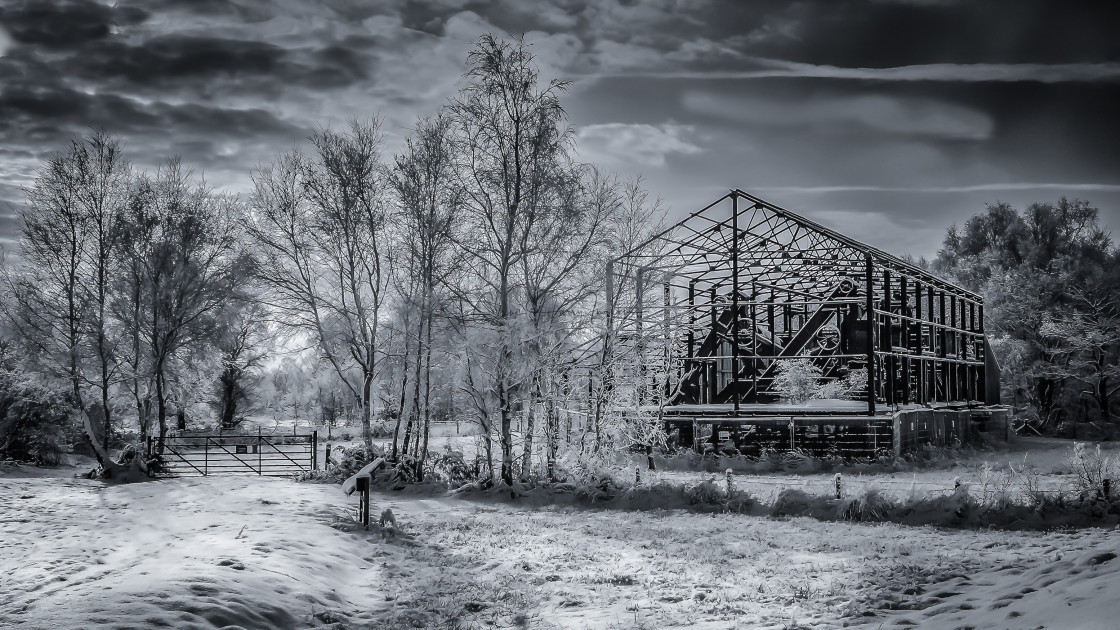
<point>561,269</point>
<point>320,224</point>
<point>428,206</point>
<point>513,152</point>
<point>62,289</point>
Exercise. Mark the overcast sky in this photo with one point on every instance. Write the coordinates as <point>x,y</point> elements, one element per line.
<point>888,120</point>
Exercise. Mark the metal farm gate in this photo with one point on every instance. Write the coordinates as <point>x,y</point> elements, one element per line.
<point>228,454</point>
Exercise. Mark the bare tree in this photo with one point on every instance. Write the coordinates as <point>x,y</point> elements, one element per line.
<point>241,342</point>
<point>513,152</point>
<point>561,269</point>
<point>640,219</point>
<point>320,223</point>
<point>429,202</point>
<point>183,249</point>
<point>62,289</point>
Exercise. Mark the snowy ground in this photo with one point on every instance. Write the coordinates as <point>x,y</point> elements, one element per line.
<point>260,553</point>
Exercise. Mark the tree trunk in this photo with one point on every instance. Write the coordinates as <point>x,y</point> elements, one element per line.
<point>489,442</point>
<point>414,410</point>
<point>161,408</point>
<point>407,435</point>
<point>507,432</point>
<point>105,401</point>
<point>140,419</point>
<point>99,451</point>
<point>553,431</point>
<point>530,427</point>
<point>427,401</point>
<point>1102,399</point>
<point>427,382</point>
<point>367,391</point>
<point>400,409</point>
<point>228,380</point>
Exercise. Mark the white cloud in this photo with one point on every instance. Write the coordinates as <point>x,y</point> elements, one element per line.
<point>898,115</point>
<point>970,73</point>
<point>994,187</point>
<point>6,42</point>
<point>627,144</point>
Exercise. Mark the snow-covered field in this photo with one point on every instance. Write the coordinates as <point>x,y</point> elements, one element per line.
<point>266,553</point>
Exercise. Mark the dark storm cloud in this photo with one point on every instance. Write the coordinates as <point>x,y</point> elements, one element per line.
<point>881,40</point>
<point>852,111</point>
<point>171,61</point>
<point>43,108</point>
<point>881,34</point>
<point>66,24</point>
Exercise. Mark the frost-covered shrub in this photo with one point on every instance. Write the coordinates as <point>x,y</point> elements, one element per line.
<point>796,502</point>
<point>800,380</point>
<point>797,380</point>
<point>872,505</point>
<point>956,508</point>
<point>1091,469</point>
<point>36,423</point>
<point>451,468</point>
<point>706,492</point>
<point>350,459</point>
<point>854,383</point>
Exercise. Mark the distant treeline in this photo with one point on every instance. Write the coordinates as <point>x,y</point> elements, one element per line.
<point>1050,278</point>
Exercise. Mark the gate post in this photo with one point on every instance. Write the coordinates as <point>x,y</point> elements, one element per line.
<point>363,500</point>
<point>314,450</point>
<point>206,456</point>
<point>260,465</point>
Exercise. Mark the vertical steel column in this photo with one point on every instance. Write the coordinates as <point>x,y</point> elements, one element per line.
<point>943,349</point>
<point>954,368</point>
<point>982,379</point>
<point>691,317</point>
<point>871,370</point>
<point>770,320</point>
<point>886,338</point>
<point>640,367</point>
<point>932,371</point>
<point>921,397</point>
<point>711,369</point>
<point>665,331</point>
<point>904,332</point>
<point>754,340</point>
<point>735,300</point>
<point>970,370</point>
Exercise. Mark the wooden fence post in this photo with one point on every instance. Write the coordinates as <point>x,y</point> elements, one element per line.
<point>363,500</point>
